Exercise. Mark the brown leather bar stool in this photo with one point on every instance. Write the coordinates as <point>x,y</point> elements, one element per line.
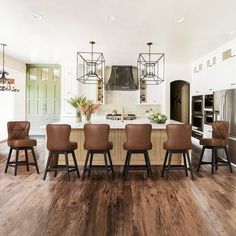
<point>96,142</point>
<point>18,139</point>
<point>178,141</point>
<point>58,142</point>
<point>138,140</point>
<point>219,140</point>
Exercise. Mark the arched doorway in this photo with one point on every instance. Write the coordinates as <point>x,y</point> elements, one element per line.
<point>180,101</point>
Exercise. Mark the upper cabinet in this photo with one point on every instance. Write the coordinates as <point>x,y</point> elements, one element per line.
<point>151,94</point>
<point>216,71</point>
<point>227,74</point>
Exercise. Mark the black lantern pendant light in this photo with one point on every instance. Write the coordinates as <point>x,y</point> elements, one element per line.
<point>151,67</point>
<point>90,67</point>
<point>6,84</point>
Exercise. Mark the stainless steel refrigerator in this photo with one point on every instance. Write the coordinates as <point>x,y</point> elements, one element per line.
<point>225,109</point>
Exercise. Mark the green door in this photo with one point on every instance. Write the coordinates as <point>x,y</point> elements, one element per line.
<point>43,95</point>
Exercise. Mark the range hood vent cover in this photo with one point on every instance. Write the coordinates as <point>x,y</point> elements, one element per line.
<point>121,79</point>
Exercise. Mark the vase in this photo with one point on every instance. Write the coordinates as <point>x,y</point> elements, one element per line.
<point>78,115</point>
<point>87,118</point>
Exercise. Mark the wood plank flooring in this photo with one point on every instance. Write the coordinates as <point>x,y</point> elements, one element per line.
<point>100,206</point>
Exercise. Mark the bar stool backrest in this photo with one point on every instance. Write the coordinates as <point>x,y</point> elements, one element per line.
<point>17,130</point>
<point>179,137</point>
<point>220,129</point>
<point>138,137</point>
<point>58,136</point>
<point>96,136</point>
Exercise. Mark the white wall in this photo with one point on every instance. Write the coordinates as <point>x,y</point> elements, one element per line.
<point>12,104</point>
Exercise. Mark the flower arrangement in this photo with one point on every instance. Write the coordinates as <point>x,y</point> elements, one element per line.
<point>157,117</point>
<point>75,102</point>
<point>87,107</point>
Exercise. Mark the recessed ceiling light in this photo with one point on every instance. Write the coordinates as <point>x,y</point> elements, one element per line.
<point>37,16</point>
<point>231,32</point>
<point>110,18</point>
<point>179,19</point>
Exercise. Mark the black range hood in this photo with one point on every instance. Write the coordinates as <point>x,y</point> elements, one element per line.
<point>121,79</point>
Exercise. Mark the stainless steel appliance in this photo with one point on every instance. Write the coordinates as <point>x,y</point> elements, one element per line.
<point>225,109</point>
<point>208,117</point>
<point>197,113</point>
<point>208,101</point>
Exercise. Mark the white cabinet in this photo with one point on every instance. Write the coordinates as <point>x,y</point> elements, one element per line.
<point>151,94</point>
<point>227,75</point>
<point>198,78</point>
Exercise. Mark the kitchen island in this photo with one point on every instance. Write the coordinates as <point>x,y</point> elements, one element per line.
<point>118,137</point>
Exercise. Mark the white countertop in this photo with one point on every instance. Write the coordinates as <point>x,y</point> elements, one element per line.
<point>114,124</point>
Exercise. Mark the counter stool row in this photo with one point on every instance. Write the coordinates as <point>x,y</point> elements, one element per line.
<point>138,140</point>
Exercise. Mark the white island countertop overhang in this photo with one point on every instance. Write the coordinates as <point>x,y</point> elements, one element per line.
<point>114,124</point>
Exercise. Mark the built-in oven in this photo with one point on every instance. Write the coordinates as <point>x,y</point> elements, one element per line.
<point>208,101</point>
<point>197,105</point>
<point>197,122</point>
<point>208,117</point>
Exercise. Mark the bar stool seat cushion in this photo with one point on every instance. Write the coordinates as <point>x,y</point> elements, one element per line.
<point>135,147</point>
<point>27,142</point>
<point>97,147</point>
<point>177,147</point>
<point>214,142</point>
<point>69,146</point>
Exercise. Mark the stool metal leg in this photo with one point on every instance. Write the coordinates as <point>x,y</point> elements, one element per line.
<point>164,165</point>
<point>35,161</point>
<point>190,166</point>
<point>146,161</point>
<point>67,166</point>
<point>110,160</point>
<point>227,156</point>
<point>47,165</point>
<point>16,161</point>
<point>90,163</point>
<point>126,161</point>
<point>212,160</point>
<point>105,159</point>
<point>27,159</point>
<point>200,161</point>
<point>169,162</point>
<point>85,165</point>
<point>55,158</point>
<point>8,159</point>
<point>185,164</point>
<point>216,159</point>
<point>149,164</point>
<point>75,163</point>
<point>127,166</point>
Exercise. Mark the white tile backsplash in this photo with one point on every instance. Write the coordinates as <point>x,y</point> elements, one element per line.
<point>128,100</point>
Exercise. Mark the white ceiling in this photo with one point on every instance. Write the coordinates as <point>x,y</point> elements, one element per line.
<point>68,26</point>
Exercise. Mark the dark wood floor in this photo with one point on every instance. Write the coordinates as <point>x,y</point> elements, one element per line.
<point>100,206</point>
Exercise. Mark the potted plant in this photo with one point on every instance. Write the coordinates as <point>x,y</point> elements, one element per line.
<point>75,102</point>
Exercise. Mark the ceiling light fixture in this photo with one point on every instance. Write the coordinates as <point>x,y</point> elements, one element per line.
<point>37,16</point>
<point>179,19</point>
<point>151,67</point>
<point>6,84</point>
<point>90,66</point>
<point>110,18</point>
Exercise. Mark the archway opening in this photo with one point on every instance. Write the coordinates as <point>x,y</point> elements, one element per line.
<point>180,101</point>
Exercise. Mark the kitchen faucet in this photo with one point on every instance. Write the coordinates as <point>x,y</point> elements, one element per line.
<point>122,115</point>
